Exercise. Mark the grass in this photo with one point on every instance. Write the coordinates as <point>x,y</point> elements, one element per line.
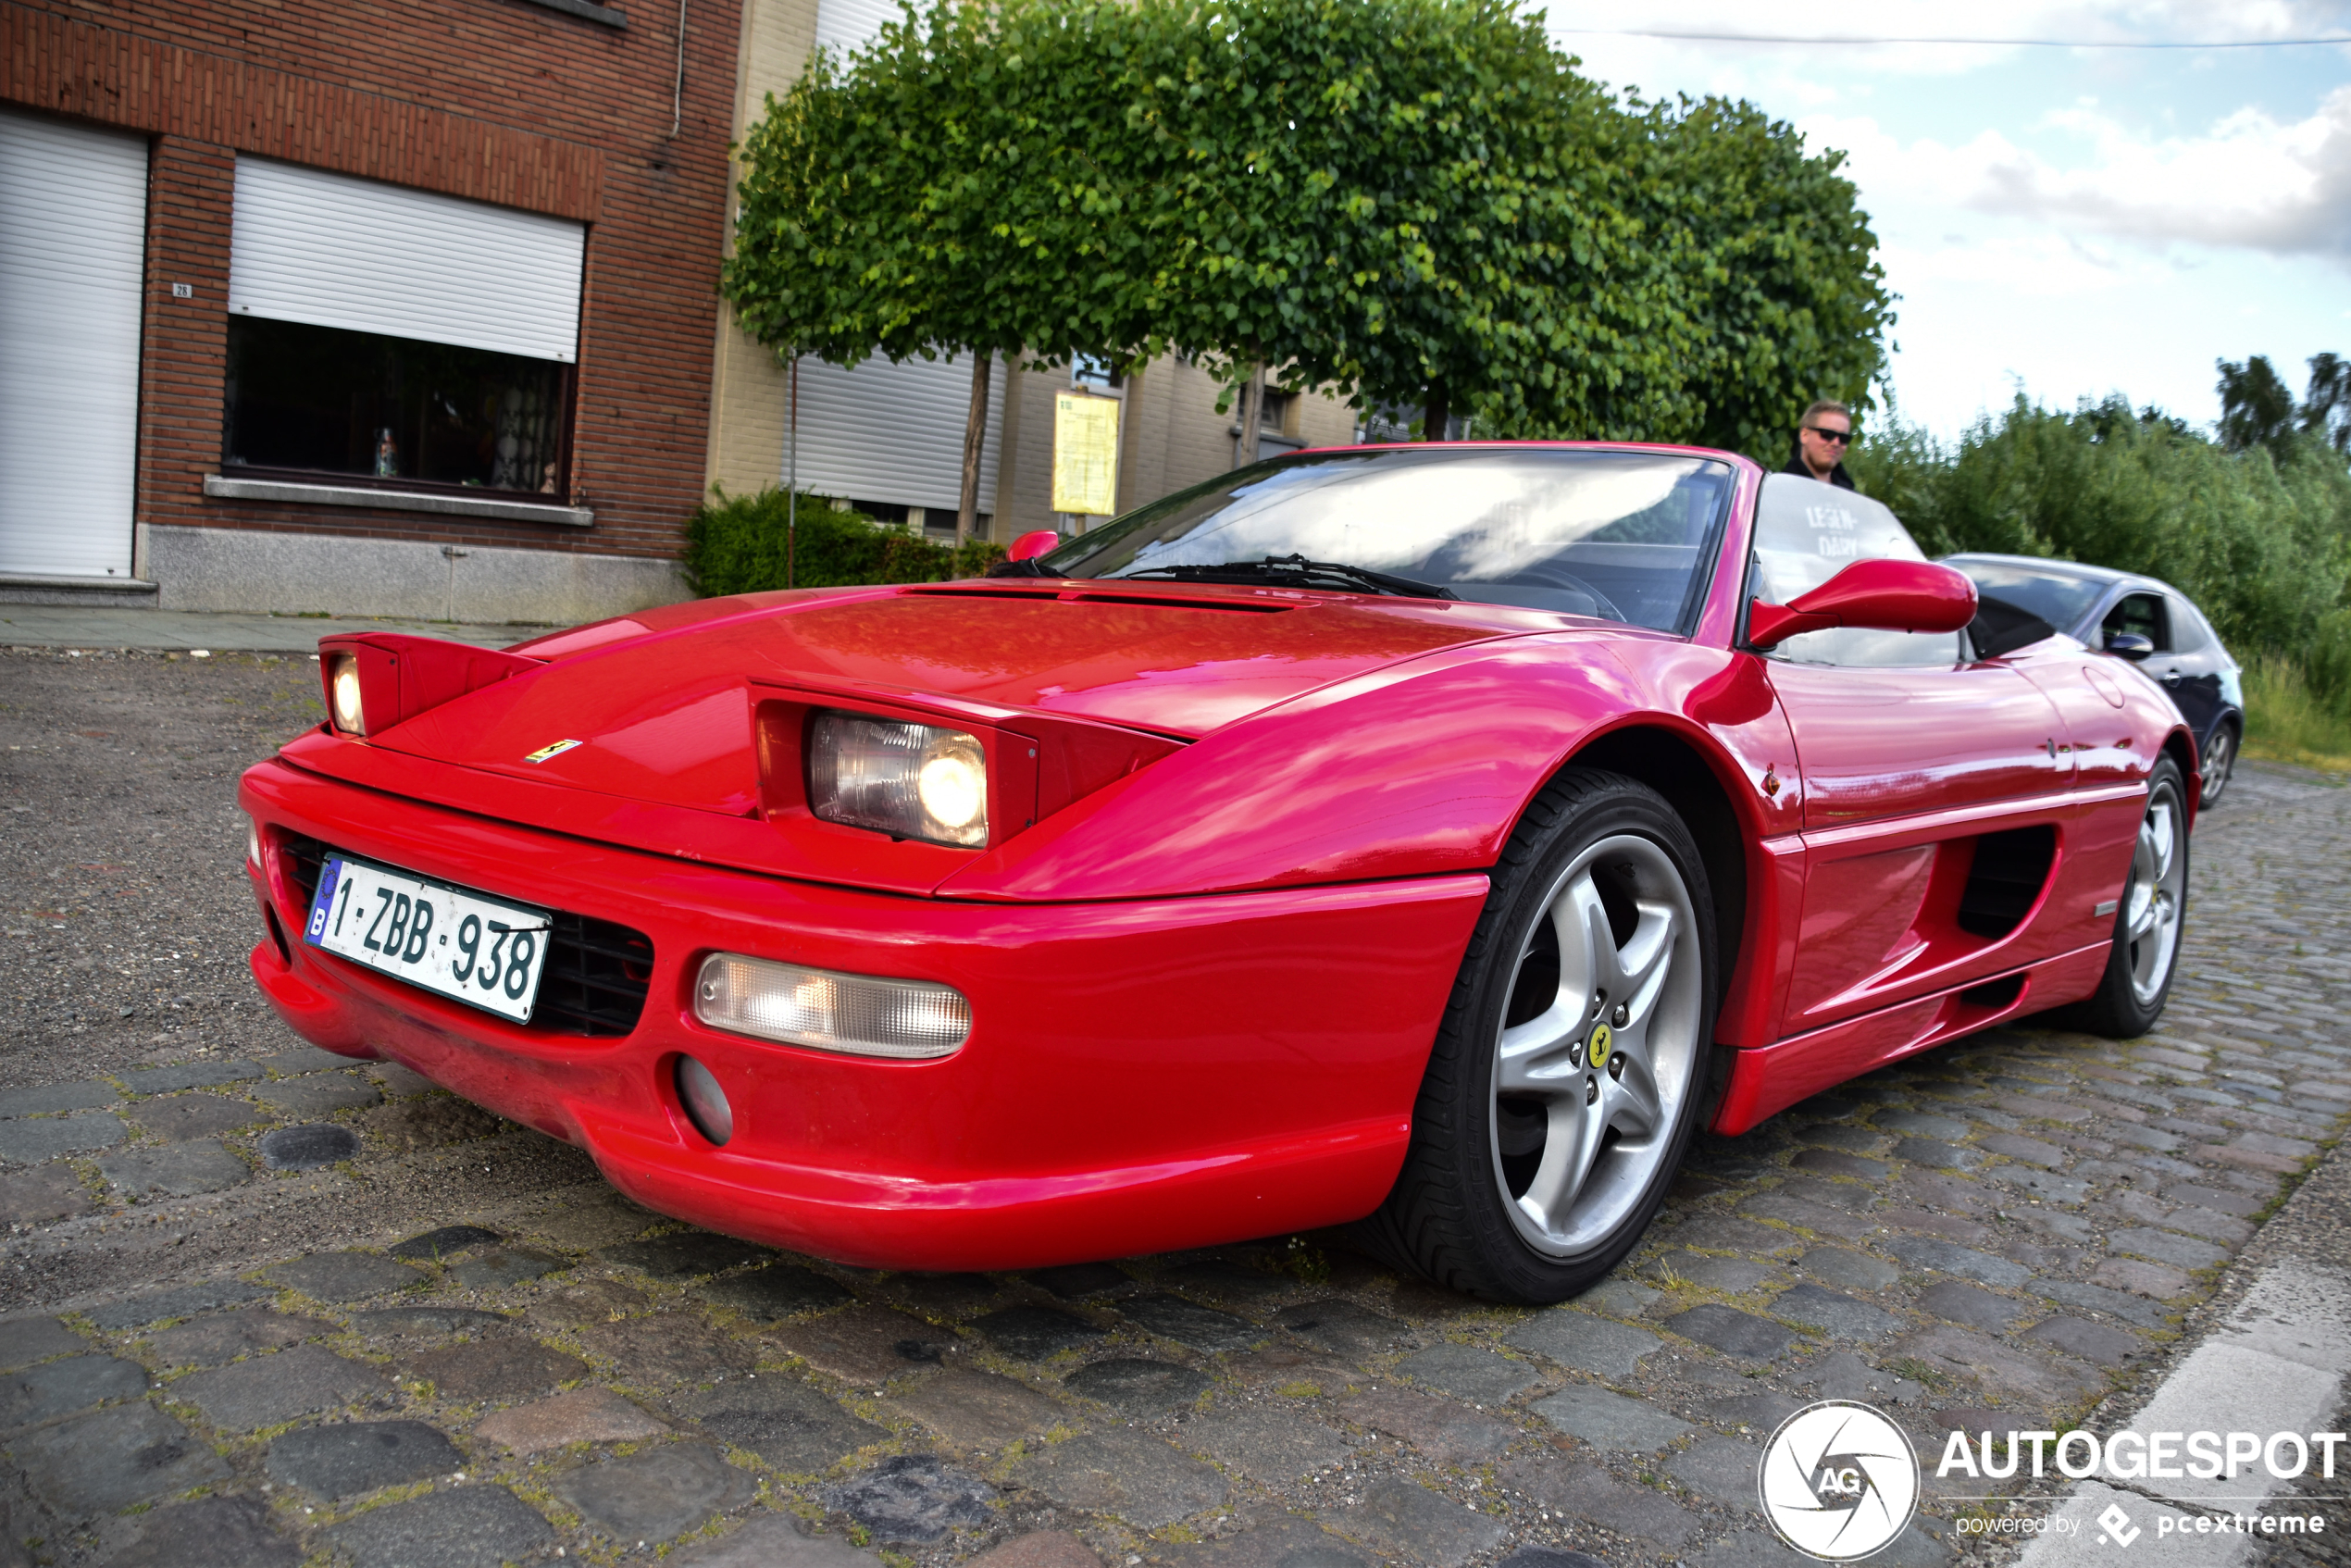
<point>2285,721</point>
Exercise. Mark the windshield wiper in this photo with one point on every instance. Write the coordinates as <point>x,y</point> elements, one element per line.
<point>1304,570</point>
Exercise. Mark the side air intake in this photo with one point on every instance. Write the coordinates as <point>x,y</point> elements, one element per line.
<point>2006,880</point>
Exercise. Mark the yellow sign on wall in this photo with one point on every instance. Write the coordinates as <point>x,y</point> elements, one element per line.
<point>1085,453</point>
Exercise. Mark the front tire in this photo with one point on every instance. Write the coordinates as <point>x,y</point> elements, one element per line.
<point>1566,1078</point>
<point>2148,921</point>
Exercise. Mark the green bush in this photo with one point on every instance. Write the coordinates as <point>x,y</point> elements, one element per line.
<point>2260,542</point>
<point>736,545</point>
<point>2286,719</point>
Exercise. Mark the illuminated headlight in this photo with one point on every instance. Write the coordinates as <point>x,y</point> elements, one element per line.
<point>856,1014</point>
<point>911,780</point>
<point>342,682</point>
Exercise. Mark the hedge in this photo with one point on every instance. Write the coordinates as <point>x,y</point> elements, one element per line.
<point>736,545</point>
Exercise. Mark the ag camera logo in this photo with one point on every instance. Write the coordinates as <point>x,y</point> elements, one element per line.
<point>1838,1481</point>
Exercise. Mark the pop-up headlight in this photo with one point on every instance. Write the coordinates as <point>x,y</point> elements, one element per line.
<point>911,780</point>
<point>342,686</point>
<point>862,1014</point>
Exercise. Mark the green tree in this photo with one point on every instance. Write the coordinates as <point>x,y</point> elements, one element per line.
<point>941,193</point>
<point>1776,269</point>
<point>2257,408</point>
<point>1416,201</point>
<point>2326,407</point>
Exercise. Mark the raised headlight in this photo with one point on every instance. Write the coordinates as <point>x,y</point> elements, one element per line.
<point>911,780</point>
<point>343,680</point>
<point>862,1014</point>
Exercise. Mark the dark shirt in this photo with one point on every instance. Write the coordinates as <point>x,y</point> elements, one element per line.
<point>1837,476</point>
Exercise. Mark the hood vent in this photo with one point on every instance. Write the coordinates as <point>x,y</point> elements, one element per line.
<point>1167,602</point>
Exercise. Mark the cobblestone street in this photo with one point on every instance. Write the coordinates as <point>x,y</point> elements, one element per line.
<point>266,1306</point>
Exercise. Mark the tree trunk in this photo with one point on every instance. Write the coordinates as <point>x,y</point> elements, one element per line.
<point>792,471</point>
<point>1252,411</point>
<point>1437,413</point>
<point>975,440</point>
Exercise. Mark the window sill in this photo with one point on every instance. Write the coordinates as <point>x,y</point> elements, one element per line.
<point>586,9</point>
<point>222,488</point>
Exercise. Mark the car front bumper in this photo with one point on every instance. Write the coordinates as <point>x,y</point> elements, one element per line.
<point>1140,1076</point>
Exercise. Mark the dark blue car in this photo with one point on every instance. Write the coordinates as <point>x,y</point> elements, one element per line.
<point>2149,623</point>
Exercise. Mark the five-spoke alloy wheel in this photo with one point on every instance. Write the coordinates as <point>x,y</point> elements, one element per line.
<point>1599,1047</point>
<point>2219,764</point>
<point>2149,917</point>
<point>1567,1076</point>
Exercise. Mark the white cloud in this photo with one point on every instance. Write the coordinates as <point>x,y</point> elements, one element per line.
<point>2250,180</point>
<point>1615,47</point>
<point>2090,22</point>
<point>2039,266</point>
<point>2069,222</point>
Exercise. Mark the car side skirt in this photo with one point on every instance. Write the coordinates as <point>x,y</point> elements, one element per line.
<point>1769,1079</point>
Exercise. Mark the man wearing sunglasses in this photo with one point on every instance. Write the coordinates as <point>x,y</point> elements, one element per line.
<point>1821,440</point>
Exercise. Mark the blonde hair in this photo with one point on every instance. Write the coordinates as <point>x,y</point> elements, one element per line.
<point>1826,405</point>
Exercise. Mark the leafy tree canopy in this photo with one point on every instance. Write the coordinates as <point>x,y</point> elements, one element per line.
<point>1418,202</point>
<point>2258,409</point>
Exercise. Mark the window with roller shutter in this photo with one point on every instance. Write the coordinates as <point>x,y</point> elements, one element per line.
<point>388,336</point>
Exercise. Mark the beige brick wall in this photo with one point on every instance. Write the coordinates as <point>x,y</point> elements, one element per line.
<point>749,406</point>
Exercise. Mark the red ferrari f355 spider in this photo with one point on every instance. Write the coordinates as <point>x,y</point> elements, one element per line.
<point>1428,837</point>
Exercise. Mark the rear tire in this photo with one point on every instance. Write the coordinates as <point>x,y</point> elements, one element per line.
<point>2219,764</point>
<point>2150,920</point>
<point>1567,1075</point>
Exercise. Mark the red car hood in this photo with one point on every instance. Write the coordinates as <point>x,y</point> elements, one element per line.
<point>661,703</point>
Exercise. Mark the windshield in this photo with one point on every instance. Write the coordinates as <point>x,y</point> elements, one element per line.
<point>1626,536</point>
<point>2058,598</point>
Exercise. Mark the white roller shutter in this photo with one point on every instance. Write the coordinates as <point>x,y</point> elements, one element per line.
<point>847,26</point>
<point>895,432</point>
<point>331,250</point>
<point>74,220</point>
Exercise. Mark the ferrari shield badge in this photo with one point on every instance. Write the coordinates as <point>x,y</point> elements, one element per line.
<point>558,749</point>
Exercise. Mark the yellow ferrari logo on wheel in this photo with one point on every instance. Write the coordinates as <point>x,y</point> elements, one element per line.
<point>1602,1039</point>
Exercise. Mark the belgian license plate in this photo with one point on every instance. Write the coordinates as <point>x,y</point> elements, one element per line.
<point>480,951</point>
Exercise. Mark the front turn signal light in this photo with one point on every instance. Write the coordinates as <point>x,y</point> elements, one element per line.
<point>857,1014</point>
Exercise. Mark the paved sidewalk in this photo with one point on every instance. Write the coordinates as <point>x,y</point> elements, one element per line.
<point>268,1306</point>
<point>71,626</point>
<point>2273,1362</point>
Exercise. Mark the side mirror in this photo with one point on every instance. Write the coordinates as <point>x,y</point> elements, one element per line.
<point>1028,546</point>
<point>1881,595</point>
<point>2129,644</point>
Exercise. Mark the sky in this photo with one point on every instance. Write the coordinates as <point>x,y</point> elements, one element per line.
<point>2069,222</point>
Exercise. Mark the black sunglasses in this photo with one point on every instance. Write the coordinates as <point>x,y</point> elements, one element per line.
<point>1826,434</point>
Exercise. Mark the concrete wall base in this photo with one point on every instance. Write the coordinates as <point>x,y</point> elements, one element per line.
<point>99,594</point>
<point>256,572</point>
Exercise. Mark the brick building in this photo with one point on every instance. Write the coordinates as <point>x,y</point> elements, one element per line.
<point>378,306</point>
<point>407,307</point>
